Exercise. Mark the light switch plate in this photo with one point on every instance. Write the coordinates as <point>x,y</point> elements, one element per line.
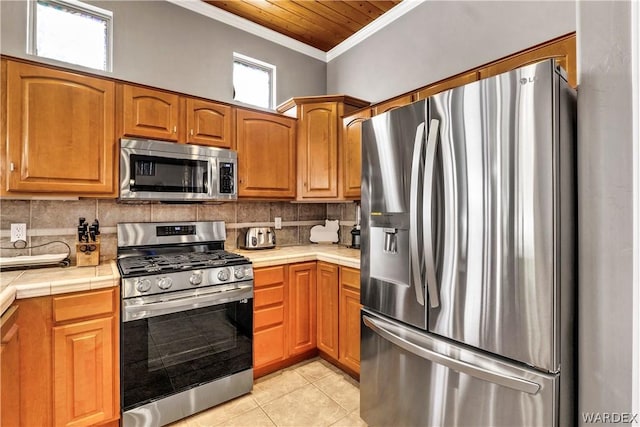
<point>278,223</point>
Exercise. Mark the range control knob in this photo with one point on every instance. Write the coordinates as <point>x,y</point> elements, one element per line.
<point>143,285</point>
<point>239,273</point>
<point>164,282</point>
<point>196,278</point>
<point>223,275</point>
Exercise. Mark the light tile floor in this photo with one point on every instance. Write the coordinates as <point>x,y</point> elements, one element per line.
<point>312,393</point>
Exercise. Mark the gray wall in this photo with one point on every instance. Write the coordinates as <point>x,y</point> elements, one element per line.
<point>164,45</point>
<point>439,39</point>
<point>605,162</point>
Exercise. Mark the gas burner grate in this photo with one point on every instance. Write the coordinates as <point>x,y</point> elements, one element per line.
<point>144,264</point>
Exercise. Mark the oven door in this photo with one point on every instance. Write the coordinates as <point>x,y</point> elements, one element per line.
<point>171,343</point>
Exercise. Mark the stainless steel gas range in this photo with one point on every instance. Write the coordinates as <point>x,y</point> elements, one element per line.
<point>187,321</point>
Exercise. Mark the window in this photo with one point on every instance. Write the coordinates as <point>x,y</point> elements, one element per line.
<point>71,31</point>
<point>253,81</point>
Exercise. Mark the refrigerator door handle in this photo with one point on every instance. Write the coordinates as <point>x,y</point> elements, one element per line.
<point>516,383</point>
<point>432,283</point>
<point>416,260</point>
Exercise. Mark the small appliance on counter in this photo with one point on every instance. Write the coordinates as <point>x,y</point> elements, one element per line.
<point>355,231</point>
<point>257,238</point>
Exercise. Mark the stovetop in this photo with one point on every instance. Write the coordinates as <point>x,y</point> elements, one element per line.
<point>180,261</point>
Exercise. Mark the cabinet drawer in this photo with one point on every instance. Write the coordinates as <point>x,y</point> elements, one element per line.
<point>268,296</point>
<point>268,316</point>
<point>268,276</point>
<point>350,277</point>
<point>83,305</point>
<point>268,346</point>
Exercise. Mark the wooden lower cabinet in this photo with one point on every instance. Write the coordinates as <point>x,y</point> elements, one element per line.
<point>269,327</point>
<point>83,372</point>
<point>69,359</point>
<point>9,368</point>
<point>328,298</point>
<point>350,306</point>
<point>302,308</point>
<point>339,315</point>
<point>284,324</point>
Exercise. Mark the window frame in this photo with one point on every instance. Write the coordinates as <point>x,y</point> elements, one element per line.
<point>265,66</point>
<point>78,6</point>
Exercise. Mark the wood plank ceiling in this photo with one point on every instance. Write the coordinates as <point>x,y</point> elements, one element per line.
<point>322,24</point>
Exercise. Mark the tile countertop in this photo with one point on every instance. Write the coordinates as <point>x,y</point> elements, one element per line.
<point>30,283</point>
<point>335,254</point>
<point>38,282</point>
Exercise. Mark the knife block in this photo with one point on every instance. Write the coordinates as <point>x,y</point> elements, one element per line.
<point>88,253</point>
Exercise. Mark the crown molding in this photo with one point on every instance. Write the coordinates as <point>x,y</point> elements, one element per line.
<point>243,24</point>
<point>385,19</point>
<point>225,17</point>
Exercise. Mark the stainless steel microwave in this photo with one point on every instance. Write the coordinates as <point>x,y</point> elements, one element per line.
<point>168,171</point>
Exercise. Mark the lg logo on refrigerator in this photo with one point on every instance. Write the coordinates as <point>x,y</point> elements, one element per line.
<point>525,80</point>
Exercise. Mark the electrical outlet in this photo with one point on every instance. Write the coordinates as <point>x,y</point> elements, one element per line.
<point>18,232</point>
<point>278,223</point>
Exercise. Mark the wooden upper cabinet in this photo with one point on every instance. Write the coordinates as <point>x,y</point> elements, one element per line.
<point>563,49</point>
<point>150,113</point>
<point>60,132</point>
<point>327,308</point>
<point>450,83</point>
<point>352,153</point>
<point>318,151</point>
<point>392,104</point>
<point>266,155</point>
<point>302,307</point>
<point>209,123</point>
<point>319,143</point>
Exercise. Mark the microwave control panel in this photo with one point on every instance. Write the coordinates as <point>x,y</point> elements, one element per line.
<point>227,178</point>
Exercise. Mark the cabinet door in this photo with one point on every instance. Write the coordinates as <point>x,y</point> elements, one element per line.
<point>266,155</point>
<point>302,307</point>
<point>9,369</point>
<point>327,307</point>
<point>209,123</point>
<point>60,130</point>
<point>450,83</point>
<point>318,151</point>
<point>350,318</point>
<point>269,326</point>
<point>562,49</point>
<point>352,152</point>
<point>83,372</point>
<point>392,104</point>
<point>150,113</point>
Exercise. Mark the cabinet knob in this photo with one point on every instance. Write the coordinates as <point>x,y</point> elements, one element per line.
<point>191,132</point>
<point>175,129</point>
<point>12,166</point>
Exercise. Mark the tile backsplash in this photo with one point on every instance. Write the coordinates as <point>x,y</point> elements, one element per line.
<point>50,222</point>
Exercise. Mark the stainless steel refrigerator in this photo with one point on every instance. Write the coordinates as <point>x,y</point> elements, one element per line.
<point>468,256</point>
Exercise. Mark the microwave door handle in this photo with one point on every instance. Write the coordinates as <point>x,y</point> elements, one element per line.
<point>432,284</point>
<point>415,256</point>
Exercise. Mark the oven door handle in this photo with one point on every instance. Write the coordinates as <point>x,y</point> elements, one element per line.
<point>137,310</point>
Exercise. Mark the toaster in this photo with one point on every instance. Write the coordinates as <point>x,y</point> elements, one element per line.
<point>257,238</point>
